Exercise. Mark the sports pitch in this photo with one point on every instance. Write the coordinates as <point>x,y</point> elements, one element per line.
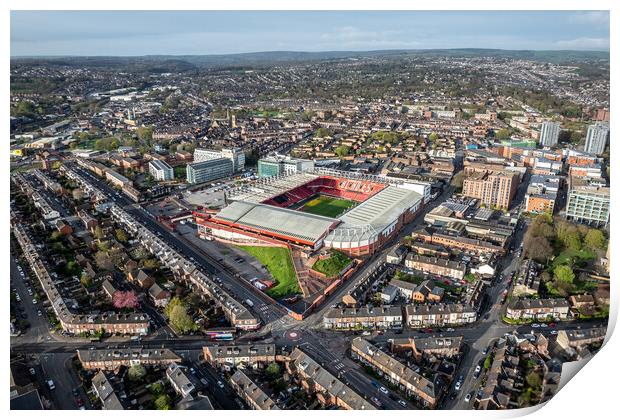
<point>327,206</point>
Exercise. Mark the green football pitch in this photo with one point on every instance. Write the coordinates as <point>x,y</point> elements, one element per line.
<point>327,206</point>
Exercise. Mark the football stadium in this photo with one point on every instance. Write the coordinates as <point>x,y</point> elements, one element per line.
<point>311,212</point>
<point>353,213</point>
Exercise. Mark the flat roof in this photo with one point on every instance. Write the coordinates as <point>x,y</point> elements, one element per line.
<point>295,224</point>
<point>372,216</point>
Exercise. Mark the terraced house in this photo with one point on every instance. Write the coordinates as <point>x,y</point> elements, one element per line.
<point>538,309</point>
<point>366,317</point>
<point>439,315</point>
<point>396,372</point>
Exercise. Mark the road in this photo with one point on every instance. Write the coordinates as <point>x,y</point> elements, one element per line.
<point>329,348</point>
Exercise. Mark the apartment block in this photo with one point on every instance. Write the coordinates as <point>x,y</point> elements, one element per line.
<point>209,170</point>
<point>496,189</point>
<point>160,170</point>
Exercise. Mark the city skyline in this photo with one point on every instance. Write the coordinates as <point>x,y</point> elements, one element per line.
<point>136,33</point>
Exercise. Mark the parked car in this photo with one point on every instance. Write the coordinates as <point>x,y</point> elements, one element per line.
<point>384,390</point>
<point>403,403</point>
<point>467,397</point>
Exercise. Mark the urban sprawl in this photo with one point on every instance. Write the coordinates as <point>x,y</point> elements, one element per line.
<point>372,231</point>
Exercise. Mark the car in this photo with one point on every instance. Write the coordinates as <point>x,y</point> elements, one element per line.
<point>192,370</point>
<point>457,386</point>
<point>34,301</point>
<point>376,401</point>
<point>375,384</point>
<point>30,292</point>
<point>535,325</point>
<point>75,392</point>
<point>32,371</point>
<point>543,325</point>
<point>79,402</point>
<point>220,384</point>
<point>402,402</point>
<point>467,397</point>
<point>366,333</point>
<point>478,368</point>
<point>552,324</point>
<point>39,313</point>
<point>204,381</point>
<point>449,329</point>
<point>17,298</point>
<point>384,390</point>
<point>554,332</point>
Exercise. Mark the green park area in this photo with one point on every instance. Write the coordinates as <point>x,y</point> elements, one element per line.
<point>333,265</point>
<point>279,263</point>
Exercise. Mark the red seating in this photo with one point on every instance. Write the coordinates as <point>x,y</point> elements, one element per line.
<point>348,189</point>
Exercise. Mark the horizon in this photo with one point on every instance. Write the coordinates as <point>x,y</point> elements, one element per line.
<point>205,33</point>
<point>309,52</point>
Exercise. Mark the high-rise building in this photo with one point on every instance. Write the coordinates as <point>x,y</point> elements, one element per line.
<point>160,170</point>
<point>236,156</point>
<point>549,133</point>
<point>495,189</point>
<point>209,170</point>
<point>596,138</point>
<point>278,165</point>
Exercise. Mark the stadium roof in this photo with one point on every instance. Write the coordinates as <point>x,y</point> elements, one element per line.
<point>276,220</point>
<point>265,188</point>
<point>374,215</point>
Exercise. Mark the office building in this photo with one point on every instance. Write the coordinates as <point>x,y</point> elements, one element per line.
<point>596,138</point>
<point>280,165</point>
<point>209,170</point>
<point>235,155</point>
<point>160,170</point>
<point>549,133</point>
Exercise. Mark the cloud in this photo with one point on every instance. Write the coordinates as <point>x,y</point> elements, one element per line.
<point>584,44</point>
<point>594,17</point>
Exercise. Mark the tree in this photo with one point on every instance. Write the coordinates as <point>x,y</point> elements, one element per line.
<point>99,233</point>
<point>273,370</point>
<point>121,235</point>
<point>179,318</point>
<point>537,248</point>
<point>564,274</point>
<point>145,133</point>
<point>533,379</point>
<point>136,373</point>
<point>162,402</point>
<point>86,280</point>
<point>157,388</point>
<point>502,134</point>
<point>77,194</point>
<point>595,239</point>
<point>342,150</point>
<point>149,264</point>
<point>127,299</point>
<point>103,260</point>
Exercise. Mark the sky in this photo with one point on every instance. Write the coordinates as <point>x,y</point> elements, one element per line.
<point>132,33</point>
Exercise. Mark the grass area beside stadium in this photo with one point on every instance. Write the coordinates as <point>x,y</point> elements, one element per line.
<point>280,264</point>
<point>327,206</point>
<point>333,265</point>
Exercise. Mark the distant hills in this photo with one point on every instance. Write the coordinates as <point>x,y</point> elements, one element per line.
<point>184,63</point>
